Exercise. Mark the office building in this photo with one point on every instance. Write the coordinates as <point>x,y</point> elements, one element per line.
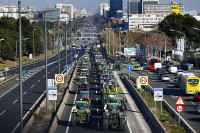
<point>161,8</point>
<point>115,5</point>
<point>134,6</point>
<point>145,22</point>
<point>102,7</point>
<point>66,8</point>
<point>8,11</point>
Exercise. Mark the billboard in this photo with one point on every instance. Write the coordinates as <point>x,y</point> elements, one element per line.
<point>175,9</point>
<point>129,51</point>
<point>181,44</point>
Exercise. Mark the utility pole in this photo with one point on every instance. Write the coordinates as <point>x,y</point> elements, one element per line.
<point>113,41</point>
<point>119,45</point>
<point>109,41</point>
<point>66,46</point>
<point>71,42</point>
<point>54,37</point>
<point>58,52</point>
<point>20,70</point>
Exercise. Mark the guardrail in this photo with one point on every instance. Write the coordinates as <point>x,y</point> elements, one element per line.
<point>8,80</point>
<point>170,109</point>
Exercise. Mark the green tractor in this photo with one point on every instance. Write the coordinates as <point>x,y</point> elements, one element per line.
<point>81,85</point>
<point>109,91</point>
<point>113,117</point>
<point>85,96</point>
<point>81,113</point>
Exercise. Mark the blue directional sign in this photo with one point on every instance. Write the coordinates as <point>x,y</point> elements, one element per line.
<point>129,67</point>
<point>68,67</point>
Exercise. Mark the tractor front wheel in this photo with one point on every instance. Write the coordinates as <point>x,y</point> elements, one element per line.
<point>122,124</point>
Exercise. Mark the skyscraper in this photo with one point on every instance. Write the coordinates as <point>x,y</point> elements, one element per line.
<point>134,6</point>
<point>115,5</point>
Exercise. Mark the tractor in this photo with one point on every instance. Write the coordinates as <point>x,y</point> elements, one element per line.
<point>109,91</point>
<point>81,85</point>
<point>85,96</point>
<point>113,117</point>
<point>81,113</point>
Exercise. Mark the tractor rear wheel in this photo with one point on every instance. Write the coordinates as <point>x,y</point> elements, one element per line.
<point>105,124</point>
<point>122,124</point>
<point>73,120</point>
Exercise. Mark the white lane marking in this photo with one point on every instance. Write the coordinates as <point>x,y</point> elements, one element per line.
<point>193,103</point>
<point>25,93</point>
<point>96,99</point>
<point>14,101</point>
<point>67,129</point>
<point>3,112</point>
<point>98,125</point>
<point>129,128</point>
<point>96,85</point>
<point>173,96</point>
<point>32,86</point>
<point>97,110</point>
<point>96,92</point>
<point>38,81</point>
<point>30,110</point>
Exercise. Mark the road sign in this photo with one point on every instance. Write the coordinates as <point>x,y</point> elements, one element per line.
<point>68,67</point>
<point>50,82</point>
<point>179,109</point>
<point>180,101</point>
<point>52,93</point>
<point>59,78</point>
<point>129,67</point>
<point>143,80</point>
<point>158,94</point>
<point>6,69</point>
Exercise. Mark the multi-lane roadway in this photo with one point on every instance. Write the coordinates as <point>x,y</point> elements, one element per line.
<point>33,90</point>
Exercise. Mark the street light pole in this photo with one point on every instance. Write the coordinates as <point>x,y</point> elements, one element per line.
<point>20,70</point>
<point>33,45</point>
<point>66,46</point>
<point>113,41</point>
<point>119,45</point>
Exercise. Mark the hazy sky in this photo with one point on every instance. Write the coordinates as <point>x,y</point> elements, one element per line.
<point>92,4</point>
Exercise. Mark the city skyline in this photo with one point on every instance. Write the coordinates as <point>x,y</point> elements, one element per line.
<point>91,5</point>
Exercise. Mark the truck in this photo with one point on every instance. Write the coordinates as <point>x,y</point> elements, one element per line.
<point>173,69</point>
<point>157,65</point>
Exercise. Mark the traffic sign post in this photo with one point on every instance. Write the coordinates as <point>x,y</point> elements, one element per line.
<point>6,69</point>
<point>129,68</point>
<point>158,96</point>
<point>179,108</point>
<point>143,80</point>
<point>52,94</point>
<point>59,78</point>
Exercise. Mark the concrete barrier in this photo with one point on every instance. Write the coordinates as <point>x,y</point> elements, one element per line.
<point>144,106</point>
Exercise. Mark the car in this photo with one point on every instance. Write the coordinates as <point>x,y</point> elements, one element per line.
<point>137,68</point>
<point>198,108</point>
<point>179,72</point>
<point>197,96</point>
<point>162,72</point>
<point>165,78</point>
<point>177,81</point>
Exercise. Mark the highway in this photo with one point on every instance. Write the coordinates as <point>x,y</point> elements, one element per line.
<point>171,94</point>
<point>33,89</point>
<point>136,121</point>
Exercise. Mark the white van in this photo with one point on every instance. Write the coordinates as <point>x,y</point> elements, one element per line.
<point>173,69</point>
<point>157,65</point>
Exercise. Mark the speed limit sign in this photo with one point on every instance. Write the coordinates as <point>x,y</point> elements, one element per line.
<point>143,80</point>
<point>179,109</point>
<point>59,78</point>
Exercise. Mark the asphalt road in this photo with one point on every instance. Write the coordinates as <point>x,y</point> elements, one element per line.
<point>136,122</point>
<point>171,94</point>
<point>33,88</point>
